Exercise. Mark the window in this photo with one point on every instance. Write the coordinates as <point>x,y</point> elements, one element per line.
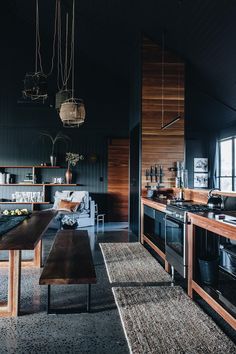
<point>227,164</point>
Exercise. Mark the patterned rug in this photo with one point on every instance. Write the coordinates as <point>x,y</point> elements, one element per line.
<point>164,319</point>
<point>131,263</point>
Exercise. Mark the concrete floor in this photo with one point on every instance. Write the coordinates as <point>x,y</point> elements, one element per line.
<point>97,332</point>
<point>36,332</point>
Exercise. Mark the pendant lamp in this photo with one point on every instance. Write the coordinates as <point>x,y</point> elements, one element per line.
<point>35,84</point>
<point>72,111</point>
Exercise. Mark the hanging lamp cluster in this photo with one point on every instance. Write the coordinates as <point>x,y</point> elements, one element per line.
<point>71,109</point>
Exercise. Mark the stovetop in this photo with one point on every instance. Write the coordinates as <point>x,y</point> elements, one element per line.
<point>187,206</point>
<point>179,209</point>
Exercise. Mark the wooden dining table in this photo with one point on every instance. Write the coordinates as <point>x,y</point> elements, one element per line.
<point>26,236</point>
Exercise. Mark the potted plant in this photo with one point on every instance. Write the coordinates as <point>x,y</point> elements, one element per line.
<point>54,139</point>
<point>72,159</point>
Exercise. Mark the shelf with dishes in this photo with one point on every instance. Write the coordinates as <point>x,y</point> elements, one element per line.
<point>26,174</point>
<point>38,184</point>
<point>34,203</point>
<point>29,186</point>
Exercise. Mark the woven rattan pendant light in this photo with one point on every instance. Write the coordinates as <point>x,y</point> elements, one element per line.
<point>35,83</point>
<point>72,111</point>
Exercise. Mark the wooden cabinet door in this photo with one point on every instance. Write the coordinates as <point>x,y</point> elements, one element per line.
<point>118,179</point>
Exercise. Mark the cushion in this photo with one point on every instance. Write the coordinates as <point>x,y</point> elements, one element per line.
<point>81,196</point>
<point>66,205</point>
<point>59,196</point>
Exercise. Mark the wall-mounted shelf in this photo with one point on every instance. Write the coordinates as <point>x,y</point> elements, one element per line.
<point>3,167</point>
<point>45,187</point>
<point>38,184</point>
<point>34,203</point>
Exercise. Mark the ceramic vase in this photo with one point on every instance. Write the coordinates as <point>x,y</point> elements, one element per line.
<point>68,176</point>
<point>53,160</point>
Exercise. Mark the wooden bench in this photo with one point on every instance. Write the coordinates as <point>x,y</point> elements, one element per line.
<point>69,262</point>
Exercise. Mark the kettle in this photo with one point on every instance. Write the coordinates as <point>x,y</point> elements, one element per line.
<point>214,201</point>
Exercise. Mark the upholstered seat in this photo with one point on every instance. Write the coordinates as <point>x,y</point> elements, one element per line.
<point>85,213</point>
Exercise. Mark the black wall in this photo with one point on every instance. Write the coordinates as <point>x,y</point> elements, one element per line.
<point>107,111</point>
<point>135,137</point>
<point>206,120</point>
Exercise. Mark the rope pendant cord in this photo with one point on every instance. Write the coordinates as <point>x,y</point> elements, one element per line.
<point>63,71</point>
<point>66,50</point>
<point>36,37</point>
<point>73,51</point>
<point>162,79</point>
<point>38,57</point>
<point>178,93</point>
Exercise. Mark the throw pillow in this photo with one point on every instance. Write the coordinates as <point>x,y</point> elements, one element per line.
<point>81,196</point>
<point>66,205</point>
<point>59,196</point>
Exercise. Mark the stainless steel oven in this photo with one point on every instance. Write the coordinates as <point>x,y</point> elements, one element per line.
<point>154,227</point>
<point>176,234</point>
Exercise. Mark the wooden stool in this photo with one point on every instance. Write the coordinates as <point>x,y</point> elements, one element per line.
<point>100,219</point>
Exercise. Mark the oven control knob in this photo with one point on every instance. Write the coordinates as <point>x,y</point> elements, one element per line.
<point>177,215</point>
<point>181,216</point>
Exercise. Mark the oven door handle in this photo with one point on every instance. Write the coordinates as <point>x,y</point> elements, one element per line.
<point>168,212</point>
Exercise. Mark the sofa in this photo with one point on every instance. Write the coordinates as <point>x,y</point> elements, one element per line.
<point>85,214</point>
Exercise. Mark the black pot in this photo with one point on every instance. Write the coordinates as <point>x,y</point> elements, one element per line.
<point>209,270</point>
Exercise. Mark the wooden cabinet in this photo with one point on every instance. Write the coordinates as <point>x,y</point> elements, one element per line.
<point>211,294</point>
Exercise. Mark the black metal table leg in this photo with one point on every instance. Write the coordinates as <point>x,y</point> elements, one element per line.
<point>88,297</point>
<point>49,299</point>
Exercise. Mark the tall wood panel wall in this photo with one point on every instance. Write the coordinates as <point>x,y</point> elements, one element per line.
<point>161,147</point>
<point>118,179</point>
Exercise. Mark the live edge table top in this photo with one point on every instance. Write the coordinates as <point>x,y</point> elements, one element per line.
<point>26,235</point>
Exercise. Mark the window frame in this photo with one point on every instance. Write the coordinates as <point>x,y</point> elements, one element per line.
<point>232,176</point>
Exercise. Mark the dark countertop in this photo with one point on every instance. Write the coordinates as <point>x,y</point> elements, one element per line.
<point>212,215</point>
<point>208,221</point>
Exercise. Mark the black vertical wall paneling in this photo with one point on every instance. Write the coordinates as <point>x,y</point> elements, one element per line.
<point>20,124</point>
<point>135,137</point>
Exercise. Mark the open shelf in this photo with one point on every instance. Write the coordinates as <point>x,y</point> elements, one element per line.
<point>61,184</point>
<point>25,203</point>
<point>31,167</point>
<point>39,174</point>
<point>39,184</point>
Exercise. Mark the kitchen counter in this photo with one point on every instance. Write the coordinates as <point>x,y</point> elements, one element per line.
<point>207,221</point>
<point>158,204</point>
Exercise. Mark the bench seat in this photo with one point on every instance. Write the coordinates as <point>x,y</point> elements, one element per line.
<point>69,262</point>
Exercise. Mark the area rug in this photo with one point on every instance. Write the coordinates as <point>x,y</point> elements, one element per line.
<point>131,263</point>
<point>164,319</point>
